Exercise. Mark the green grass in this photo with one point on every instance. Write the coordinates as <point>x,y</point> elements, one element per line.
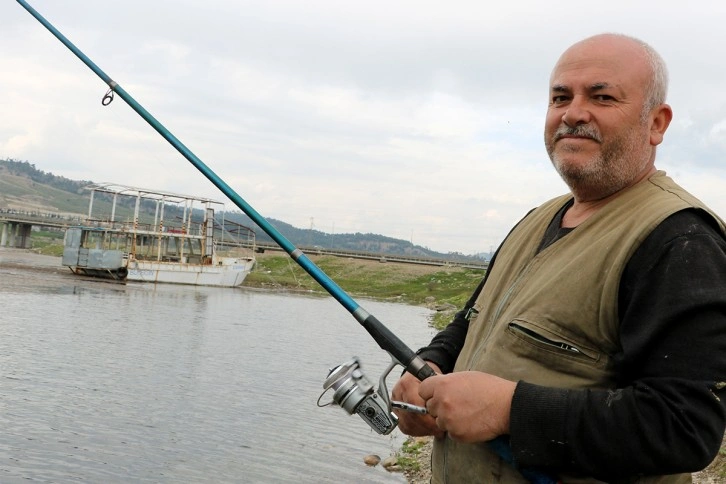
<point>388,281</point>
<point>409,457</point>
<point>46,247</point>
<point>47,242</point>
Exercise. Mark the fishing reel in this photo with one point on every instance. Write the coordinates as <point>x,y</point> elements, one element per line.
<point>355,393</point>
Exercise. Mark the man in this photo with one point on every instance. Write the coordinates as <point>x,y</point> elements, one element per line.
<point>596,344</point>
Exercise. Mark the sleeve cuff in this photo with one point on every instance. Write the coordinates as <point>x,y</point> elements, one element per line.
<point>438,356</point>
<point>537,423</point>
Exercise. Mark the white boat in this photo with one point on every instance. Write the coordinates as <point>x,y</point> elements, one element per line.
<point>184,250</point>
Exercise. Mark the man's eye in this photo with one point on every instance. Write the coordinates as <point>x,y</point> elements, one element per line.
<point>604,97</point>
<point>559,99</point>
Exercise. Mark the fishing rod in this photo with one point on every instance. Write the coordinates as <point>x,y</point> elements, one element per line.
<point>351,389</point>
<point>399,352</point>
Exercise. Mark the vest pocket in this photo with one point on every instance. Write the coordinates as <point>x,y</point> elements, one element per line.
<point>552,342</point>
<point>539,352</point>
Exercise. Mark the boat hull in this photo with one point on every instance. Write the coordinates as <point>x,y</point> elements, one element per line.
<point>223,274</point>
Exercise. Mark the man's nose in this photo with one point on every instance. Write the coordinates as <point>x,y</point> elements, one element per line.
<point>577,113</point>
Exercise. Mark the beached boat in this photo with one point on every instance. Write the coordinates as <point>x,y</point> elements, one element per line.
<point>191,248</point>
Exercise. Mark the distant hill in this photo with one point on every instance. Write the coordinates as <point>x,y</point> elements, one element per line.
<point>22,186</point>
<point>25,187</point>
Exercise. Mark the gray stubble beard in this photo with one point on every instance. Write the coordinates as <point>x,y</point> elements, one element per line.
<point>608,172</point>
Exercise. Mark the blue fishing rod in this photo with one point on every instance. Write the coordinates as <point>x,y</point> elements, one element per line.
<point>382,335</point>
<point>351,389</point>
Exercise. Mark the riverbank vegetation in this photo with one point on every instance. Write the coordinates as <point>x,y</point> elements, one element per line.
<point>47,242</point>
<point>444,288</point>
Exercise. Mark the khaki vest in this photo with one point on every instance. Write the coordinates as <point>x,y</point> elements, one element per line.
<point>568,293</point>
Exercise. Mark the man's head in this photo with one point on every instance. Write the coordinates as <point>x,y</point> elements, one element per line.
<point>606,114</point>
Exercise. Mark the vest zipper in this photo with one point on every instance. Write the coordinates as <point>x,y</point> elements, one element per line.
<point>544,340</point>
<point>498,311</point>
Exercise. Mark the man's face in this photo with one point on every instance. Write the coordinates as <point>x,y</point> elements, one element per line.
<point>595,133</point>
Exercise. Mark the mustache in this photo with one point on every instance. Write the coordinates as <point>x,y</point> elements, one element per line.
<point>581,130</point>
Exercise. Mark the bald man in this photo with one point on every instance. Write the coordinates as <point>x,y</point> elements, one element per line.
<point>595,346</point>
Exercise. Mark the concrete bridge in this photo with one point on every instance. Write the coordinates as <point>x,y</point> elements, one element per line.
<point>16,225</point>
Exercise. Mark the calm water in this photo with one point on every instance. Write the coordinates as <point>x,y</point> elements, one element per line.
<point>103,382</point>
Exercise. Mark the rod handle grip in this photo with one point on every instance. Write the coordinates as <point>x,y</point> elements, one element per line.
<point>397,348</point>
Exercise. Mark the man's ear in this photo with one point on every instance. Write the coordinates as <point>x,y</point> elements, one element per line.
<point>660,119</point>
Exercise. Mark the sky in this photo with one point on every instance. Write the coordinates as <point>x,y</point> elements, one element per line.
<point>416,120</point>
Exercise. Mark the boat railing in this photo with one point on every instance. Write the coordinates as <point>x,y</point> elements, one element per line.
<point>231,235</point>
<point>170,229</point>
<point>174,241</point>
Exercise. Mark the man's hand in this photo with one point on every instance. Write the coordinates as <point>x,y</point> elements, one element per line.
<point>470,406</point>
<point>407,390</point>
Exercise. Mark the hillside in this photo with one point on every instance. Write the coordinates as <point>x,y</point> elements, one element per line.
<point>20,191</point>
<point>25,187</point>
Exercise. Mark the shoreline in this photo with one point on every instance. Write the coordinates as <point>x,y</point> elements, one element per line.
<point>31,259</point>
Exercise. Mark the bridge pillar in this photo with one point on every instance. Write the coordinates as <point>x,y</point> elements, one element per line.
<point>16,235</point>
<point>23,236</point>
<point>12,230</point>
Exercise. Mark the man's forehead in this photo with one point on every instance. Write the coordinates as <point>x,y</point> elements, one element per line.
<point>598,72</point>
<point>602,60</point>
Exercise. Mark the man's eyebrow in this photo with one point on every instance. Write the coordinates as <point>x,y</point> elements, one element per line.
<point>592,87</point>
<point>600,85</point>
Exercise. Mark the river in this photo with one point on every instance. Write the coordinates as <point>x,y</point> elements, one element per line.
<point>105,382</point>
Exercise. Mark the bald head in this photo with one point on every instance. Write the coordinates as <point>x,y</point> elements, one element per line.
<point>635,54</point>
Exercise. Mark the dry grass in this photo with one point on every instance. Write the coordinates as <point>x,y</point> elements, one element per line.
<point>716,472</point>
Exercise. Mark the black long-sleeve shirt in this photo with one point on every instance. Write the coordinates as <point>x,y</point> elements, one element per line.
<point>668,412</point>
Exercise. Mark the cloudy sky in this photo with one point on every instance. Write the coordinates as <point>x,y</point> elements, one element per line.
<point>413,119</point>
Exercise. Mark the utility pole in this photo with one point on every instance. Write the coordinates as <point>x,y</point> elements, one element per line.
<point>310,232</point>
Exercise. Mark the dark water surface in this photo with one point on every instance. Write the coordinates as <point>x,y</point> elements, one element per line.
<point>101,382</point>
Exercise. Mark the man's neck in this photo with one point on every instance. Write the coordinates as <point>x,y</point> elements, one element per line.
<point>581,210</point>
